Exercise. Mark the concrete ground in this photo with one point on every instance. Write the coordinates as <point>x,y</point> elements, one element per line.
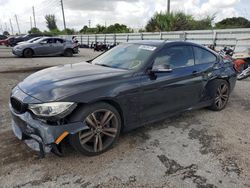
<point>201,148</point>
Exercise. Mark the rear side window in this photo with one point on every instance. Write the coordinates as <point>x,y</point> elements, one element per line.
<point>203,56</point>
<point>59,41</point>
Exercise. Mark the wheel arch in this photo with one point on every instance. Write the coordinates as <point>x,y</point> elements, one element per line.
<point>222,78</point>
<point>33,52</point>
<point>109,101</point>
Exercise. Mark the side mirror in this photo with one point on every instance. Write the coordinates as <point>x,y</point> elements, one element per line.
<point>161,68</point>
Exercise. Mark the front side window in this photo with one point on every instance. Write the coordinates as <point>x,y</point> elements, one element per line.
<point>175,57</point>
<point>203,56</point>
<point>125,56</point>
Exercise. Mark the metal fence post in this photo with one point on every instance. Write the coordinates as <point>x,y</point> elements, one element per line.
<point>214,38</point>
<point>81,39</point>
<point>127,37</point>
<point>114,38</point>
<point>88,39</point>
<point>184,36</point>
<point>160,35</point>
<point>104,39</point>
<point>95,39</point>
<point>141,36</point>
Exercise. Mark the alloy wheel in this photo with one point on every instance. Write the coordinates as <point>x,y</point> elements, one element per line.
<point>222,96</point>
<point>101,132</point>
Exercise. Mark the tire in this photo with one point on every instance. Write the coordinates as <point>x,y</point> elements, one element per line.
<point>219,92</point>
<point>68,53</point>
<point>99,137</point>
<point>28,53</point>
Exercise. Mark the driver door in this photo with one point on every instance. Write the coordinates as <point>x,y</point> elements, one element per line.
<point>45,47</point>
<point>165,93</point>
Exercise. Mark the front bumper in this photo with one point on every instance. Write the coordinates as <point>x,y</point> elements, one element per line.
<point>25,127</point>
<point>17,52</point>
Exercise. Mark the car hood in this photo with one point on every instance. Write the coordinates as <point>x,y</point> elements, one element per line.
<point>62,81</point>
<point>24,44</point>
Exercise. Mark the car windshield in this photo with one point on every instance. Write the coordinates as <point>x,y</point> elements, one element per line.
<point>33,39</point>
<point>125,56</point>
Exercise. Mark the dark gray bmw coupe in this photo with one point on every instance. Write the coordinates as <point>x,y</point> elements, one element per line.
<point>133,84</point>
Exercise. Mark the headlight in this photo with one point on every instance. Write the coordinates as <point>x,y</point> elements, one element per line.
<point>17,48</point>
<point>52,109</point>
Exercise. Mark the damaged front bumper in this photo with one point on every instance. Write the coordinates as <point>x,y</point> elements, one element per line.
<point>46,137</point>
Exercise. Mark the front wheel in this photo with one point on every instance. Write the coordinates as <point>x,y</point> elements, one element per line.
<point>219,91</point>
<point>103,125</point>
<point>68,53</point>
<point>27,53</point>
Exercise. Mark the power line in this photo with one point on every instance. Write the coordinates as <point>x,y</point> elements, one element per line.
<point>89,23</point>
<point>17,24</point>
<point>11,28</point>
<point>30,22</point>
<point>6,28</point>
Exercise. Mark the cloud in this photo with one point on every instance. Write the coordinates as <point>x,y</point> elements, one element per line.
<point>93,5</point>
<point>134,13</point>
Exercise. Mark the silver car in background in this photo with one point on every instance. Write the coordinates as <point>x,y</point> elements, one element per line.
<point>46,46</point>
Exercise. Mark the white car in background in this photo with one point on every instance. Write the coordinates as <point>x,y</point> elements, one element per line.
<point>242,49</point>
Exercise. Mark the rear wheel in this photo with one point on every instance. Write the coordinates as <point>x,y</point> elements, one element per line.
<point>27,53</point>
<point>68,53</point>
<point>219,91</point>
<point>103,128</point>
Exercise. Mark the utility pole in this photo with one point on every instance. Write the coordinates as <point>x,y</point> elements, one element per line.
<point>17,24</point>
<point>89,23</point>
<point>30,22</point>
<point>11,28</point>
<point>34,16</point>
<point>64,23</point>
<point>168,6</point>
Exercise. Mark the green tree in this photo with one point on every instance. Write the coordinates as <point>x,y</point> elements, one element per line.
<point>51,22</point>
<point>68,31</point>
<point>6,33</point>
<point>179,21</point>
<point>34,30</point>
<point>116,28</point>
<point>235,22</point>
<point>84,29</point>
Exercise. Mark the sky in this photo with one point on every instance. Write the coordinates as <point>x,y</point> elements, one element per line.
<point>134,13</point>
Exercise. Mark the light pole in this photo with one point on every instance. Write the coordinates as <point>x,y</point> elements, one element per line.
<point>168,6</point>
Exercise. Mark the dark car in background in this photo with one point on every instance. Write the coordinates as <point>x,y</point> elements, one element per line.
<point>130,85</point>
<point>2,37</point>
<point>7,41</point>
<point>46,46</point>
<point>25,38</point>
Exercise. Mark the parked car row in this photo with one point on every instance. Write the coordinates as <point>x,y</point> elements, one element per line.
<point>45,46</point>
<point>13,41</point>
